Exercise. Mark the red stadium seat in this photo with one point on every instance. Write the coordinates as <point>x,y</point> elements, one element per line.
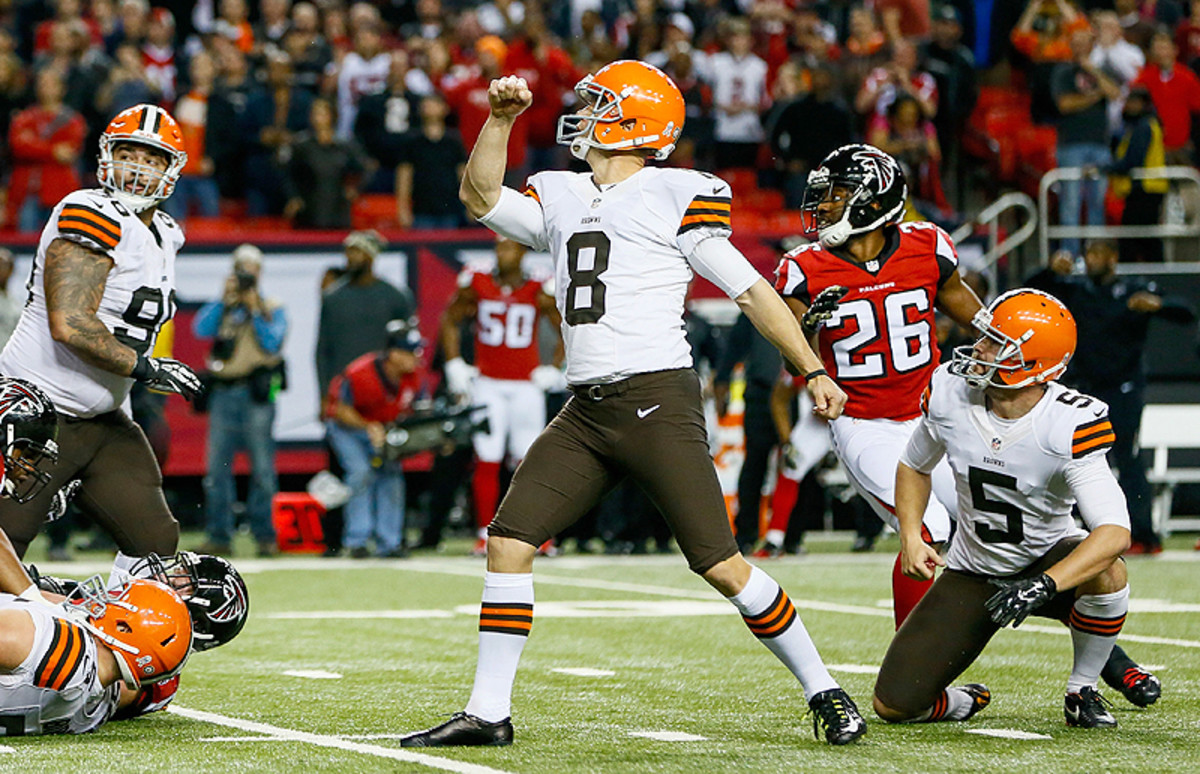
<point>762,200</point>
<point>376,211</point>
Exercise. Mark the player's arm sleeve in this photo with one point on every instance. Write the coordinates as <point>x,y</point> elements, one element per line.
<point>722,264</point>
<point>924,448</point>
<point>520,218</point>
<point>86,222</point>
<point>1097,492</point>
<point>790,281</point>
<point>707,215</point>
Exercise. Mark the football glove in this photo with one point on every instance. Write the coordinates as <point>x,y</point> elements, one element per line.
<point>162,374</point>
<point>547,378</point>
<point>1016,599</point>
<point>459,376</point>
<point>822,308</point>
<point>61,499</point>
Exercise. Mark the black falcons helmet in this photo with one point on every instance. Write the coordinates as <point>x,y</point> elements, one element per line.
<point>28,438</point>
<point>875,193</point>
<point>214,592</point>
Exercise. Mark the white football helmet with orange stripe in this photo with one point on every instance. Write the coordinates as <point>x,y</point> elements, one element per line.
<point>143,622</point>
<point>140,186</point>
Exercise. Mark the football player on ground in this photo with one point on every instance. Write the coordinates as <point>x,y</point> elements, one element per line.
<point>102,284</point>
<point>1024,450</point>
<point>625,240</point>
<point>506,307</point>
<point>867,290</point>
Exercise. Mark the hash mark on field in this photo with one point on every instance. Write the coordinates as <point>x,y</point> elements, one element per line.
<point>856,669</point>
<point>584,671</point>
<point>313,674</point>
<point>1007,733</point>
<point>321,740</point>
<point>669,736</point>
<point>5,749</point>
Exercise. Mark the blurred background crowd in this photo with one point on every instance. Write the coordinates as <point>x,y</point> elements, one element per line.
<point>298,110</point>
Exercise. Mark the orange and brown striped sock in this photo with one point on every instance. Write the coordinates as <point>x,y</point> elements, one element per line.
<point>505,619</point>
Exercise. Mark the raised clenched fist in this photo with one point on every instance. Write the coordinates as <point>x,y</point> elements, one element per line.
<point>509,96</point>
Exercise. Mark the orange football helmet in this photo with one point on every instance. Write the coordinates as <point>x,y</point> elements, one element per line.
<point>143,622</point>
<point>141,186</point>
<point>1036,335</point>
<point>629,105</point>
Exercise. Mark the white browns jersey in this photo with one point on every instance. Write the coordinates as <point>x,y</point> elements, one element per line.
<point>621,258</point>
<point>1017,480</point>
<point>56,689</point>
<point>139,296</point>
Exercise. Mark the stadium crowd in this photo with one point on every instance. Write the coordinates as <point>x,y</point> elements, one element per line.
<point>297,109</point>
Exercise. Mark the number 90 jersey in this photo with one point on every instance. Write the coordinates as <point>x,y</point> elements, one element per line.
<point>880,345</point>
<point>621,275</point>
<point>1017,480</point>
<point>139,296</point>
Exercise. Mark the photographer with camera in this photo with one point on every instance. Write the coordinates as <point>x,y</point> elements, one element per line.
<point>245,373</point>
<point>368,395</point>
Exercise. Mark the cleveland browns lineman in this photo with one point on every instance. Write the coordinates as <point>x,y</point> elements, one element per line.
<point>506,307</point>
<point>102,284</point>
<point>874,284</point>
<point>625,240</point>
<point>1024,450</point>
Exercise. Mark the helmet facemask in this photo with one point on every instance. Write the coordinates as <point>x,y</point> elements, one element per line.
<point>24,463</point>
<point>867,182</point>
<point>214,592</point>
<point>139,186</point>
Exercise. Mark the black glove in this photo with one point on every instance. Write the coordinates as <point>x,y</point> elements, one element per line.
<point>162,374</point>
<point>50,583</point>
<point>1016,599</point>
<point>822,308</point>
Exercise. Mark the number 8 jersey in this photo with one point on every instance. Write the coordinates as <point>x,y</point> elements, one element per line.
<point>880,346</point>
<point>621,263</point>
<point>139,296</point>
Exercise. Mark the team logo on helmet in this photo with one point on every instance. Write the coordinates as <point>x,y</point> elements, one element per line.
<point>878,165</point>
<point>234,606</point>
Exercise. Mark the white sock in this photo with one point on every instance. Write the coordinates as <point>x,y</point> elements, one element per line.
<point>775,538</point>
<point>504,622</point>
<point>771,617</point>
<point>1095,621</point>
<point>953,704</point>
<point>122,564</point>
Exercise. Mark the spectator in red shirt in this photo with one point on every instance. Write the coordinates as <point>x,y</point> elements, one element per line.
<point>64,11</point>
<point>899,76</point>
<point>1175,91</point>
<point>46,141</point>
<point>468,99</point>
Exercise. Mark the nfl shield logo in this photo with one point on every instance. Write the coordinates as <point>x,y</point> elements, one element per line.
<point>996,444</point>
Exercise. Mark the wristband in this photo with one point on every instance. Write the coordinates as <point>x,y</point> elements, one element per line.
<point>814,374</point>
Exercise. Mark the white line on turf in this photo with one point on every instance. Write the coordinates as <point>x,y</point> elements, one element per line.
<point>321,740</point>
<point>669,736</point>
<point>323,615</point>
<point>313,674</point>
<point>584,671</point>
<point>1007,733</point>
<point>4,749</point>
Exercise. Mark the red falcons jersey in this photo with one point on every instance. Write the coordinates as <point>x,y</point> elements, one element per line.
<point>506,322</point>
<point>879,345</point>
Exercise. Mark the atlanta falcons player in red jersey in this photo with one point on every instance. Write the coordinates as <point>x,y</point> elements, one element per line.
<point>867,291</point>
<point>507,307</point>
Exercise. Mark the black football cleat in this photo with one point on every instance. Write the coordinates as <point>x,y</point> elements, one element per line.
<point>463,730</point>
<point>835,712</point>
<point>980,697</point>
<point>1088,709</point>
<point>1138,686</point>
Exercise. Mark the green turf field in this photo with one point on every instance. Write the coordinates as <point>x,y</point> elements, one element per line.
<point>622,646</point>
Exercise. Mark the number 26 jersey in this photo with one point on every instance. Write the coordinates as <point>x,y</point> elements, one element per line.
<point>139,296</point>
<point>880,346</point>
<point>621,271</point>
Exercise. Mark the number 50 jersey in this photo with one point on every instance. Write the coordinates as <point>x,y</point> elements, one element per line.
<point>139,296</point>
<point>880,346</point>
<point>621,275</point>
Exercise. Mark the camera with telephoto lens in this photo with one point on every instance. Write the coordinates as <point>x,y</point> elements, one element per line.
<point>245,280</point>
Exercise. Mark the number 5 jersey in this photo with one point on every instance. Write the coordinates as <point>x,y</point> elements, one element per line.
<point>139,296</point>
<point>1017,479</point>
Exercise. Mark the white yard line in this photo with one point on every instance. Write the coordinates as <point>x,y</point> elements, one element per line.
<point>321,740</point>
<point>1007,733</point>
